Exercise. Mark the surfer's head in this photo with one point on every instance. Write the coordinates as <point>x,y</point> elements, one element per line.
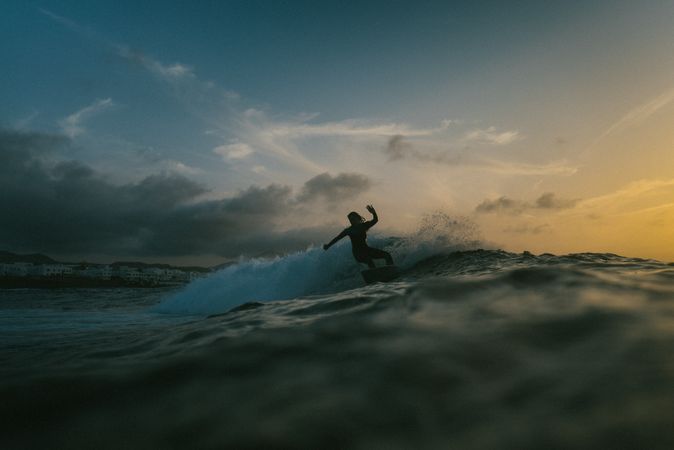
<point>355,218</point>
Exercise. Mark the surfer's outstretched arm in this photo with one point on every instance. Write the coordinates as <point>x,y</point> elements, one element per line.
<point>337,238</point>
<point>375,219</point>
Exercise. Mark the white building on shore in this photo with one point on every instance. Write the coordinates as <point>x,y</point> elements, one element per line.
<point>20,269</point>
<point>51,270</point>
<point>144,275</point>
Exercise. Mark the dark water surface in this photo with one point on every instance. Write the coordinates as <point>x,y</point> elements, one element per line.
<point>468,350</point>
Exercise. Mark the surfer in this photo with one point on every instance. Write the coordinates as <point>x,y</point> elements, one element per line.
<point>357,232</point>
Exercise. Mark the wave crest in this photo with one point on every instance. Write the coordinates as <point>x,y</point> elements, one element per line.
<point>314,271</point>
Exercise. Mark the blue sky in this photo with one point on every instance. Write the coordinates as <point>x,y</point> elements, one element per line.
<point>441,105</point>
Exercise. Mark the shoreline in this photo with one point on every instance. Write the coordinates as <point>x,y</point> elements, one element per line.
<point>77,282</point>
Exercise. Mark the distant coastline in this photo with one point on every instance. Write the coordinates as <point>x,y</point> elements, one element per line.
<point>76,282</point>
<point>41,271</point>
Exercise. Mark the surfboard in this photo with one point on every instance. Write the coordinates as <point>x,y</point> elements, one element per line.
<point>385,273</point>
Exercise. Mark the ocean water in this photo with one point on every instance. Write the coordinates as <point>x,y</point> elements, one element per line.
<point>468,349</point>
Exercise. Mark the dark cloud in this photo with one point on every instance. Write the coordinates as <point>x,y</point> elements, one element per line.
<point>550,201</point>
<point>334,189</point>
<point>69,208</point>
<point>499,205</point>
<point>504,204</point>
<point>18,148</point>
<point>397,148</point>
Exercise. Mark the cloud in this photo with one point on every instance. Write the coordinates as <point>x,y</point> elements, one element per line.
<point>254,130</point>
<point>351,127</point>
<point>503,204</point>
<point>492,136</point>
<point>558,168</point>
<point>167,72</point>
<point>66,22</point>
<point>180,167</point>
<point>181,78</point>
<point>636,198</point>
<point>67,207</point>
<point>397,148</point>
<point>290,140</point>
<point>550,201</point>
<point>73,125</point>
<point>334,189</point>
<point>283,138</point>
<point>638,115</point>
<point>237,150</point>
<point>18,147</point>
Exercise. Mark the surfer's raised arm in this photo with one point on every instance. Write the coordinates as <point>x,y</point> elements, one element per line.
<point>375,219</point>
<point>337,238</point>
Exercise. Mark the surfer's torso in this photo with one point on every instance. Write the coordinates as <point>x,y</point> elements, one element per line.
<point>358,235</point>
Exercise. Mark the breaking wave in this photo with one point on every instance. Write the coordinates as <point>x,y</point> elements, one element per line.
<point>314,271</point>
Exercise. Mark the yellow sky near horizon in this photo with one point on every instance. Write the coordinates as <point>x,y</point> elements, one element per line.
<point>624,192</point>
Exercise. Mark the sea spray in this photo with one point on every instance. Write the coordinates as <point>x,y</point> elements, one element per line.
<point>438,233</point>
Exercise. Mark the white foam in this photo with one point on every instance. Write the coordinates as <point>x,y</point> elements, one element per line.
<point>257,280</point>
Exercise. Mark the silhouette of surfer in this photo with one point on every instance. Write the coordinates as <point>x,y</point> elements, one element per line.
<point>357,232</point>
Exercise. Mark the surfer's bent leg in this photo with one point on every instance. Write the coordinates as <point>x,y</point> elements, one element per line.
<point>365,258</point>
<point>375,253</point>
<point>368,261</point>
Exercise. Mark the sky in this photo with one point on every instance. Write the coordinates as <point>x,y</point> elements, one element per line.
<point>199,132</point>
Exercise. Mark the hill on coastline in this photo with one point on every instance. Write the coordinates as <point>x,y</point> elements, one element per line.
<point>35,258</point>
<point>38,258</point>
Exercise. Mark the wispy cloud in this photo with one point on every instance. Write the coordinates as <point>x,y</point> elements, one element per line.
<point>557,168</point>
<point>186,85</point>
<point>168,72</point>
<point>253,135</point>
<point>398,147</point>
<point>73,125</point>
<point>282,138</point>
<point>634,197</point>
<point>65,21</point>
<point>492,136</point>
<point>179,167</point>
<point>253,130</point>
<point>237,150</point>
<point>641,112</point>
<point>348,128</point>
<point>636,116</point>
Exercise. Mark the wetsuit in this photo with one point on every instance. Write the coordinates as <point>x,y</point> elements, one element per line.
<point>361,251</point>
